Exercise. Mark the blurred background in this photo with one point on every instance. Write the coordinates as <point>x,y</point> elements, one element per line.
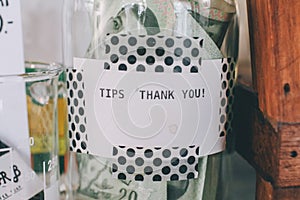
<point>42,30</point>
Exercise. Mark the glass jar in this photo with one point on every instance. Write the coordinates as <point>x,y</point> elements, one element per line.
<point>150,89</point>
<point>41,23</point>
<point>29,138</point>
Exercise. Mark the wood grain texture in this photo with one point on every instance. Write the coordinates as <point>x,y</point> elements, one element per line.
<point>274,27</point>
<point>272,143</point>
<point>265,147</point>
<point>289,155</point>
<point>273,149</point>
<point>256,139</point>
<point>266,191</point>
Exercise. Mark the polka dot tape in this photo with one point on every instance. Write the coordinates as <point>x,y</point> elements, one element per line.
<point>228,77</point>
<point>156,164</point>
<point>76,112</point>
<point>153,54</point>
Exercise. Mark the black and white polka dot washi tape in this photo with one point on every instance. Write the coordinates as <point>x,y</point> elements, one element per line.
<point>156,164</point>
<point>153,54</point>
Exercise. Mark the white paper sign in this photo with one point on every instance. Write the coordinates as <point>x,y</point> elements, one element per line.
<point>11,42</point>
<point>17,179</point>
<point>13,109</point>
<point>13,115</point>
<point>151,109</point>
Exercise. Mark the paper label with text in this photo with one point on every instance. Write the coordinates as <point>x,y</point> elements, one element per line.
<point>136,109</point>
<point>17,179</point>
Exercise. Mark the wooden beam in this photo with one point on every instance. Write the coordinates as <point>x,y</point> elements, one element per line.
<point>273,149</point>
<point>289,155</point>
<point>274,27</point>
<point>267,116</point>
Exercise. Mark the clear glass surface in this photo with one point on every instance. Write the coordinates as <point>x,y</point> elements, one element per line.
<point>40,81</point>
<point>88,24</point>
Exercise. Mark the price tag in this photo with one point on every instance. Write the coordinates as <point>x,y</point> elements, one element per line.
<point>11,41</point>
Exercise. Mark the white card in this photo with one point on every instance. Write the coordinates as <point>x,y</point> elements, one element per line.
<point>11,42</point>
<point>13,115</point>
<point>128,117</point>
<point>17,179</point>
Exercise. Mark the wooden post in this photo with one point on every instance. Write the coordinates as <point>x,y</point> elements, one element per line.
<point>274,27</point>
<point>268,115</point>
